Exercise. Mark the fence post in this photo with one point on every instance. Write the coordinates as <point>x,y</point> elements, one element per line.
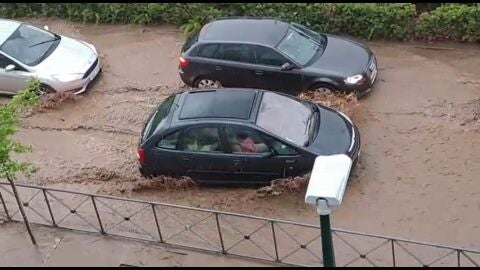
<point>458,257</point>
<point>156,222</point>
<point>49,208</point>
<point>5,207</point>
<point>393,253</point>
<point>220,233</point>
<point>274,241</point>
<point>98,215</point>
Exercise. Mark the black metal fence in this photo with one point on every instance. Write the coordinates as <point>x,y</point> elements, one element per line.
<point>227,233</point>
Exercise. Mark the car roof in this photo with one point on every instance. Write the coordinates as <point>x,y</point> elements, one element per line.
<point>227,104</point>
<point>7,27</point>
<point>266,32</point>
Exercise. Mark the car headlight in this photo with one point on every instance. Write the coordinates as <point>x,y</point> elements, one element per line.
<point>68,77</point>
<point>355,79</point>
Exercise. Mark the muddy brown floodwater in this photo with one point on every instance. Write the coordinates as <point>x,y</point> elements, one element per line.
<point>418,176</point>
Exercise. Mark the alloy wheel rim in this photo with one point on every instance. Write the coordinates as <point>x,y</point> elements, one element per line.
<point>207,83</point>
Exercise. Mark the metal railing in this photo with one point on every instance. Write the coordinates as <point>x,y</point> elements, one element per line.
<point>285,242</point>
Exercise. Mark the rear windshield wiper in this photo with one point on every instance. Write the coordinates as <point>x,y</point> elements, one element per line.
<point>45,41</point>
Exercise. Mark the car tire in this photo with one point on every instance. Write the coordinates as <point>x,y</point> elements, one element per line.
<point>205,82</point>
<point>45,89</point>
<point>323,87</point>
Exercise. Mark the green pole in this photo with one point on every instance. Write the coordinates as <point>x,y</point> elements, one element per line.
<point>327,242</point>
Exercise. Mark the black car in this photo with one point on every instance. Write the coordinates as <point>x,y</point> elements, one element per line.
<point>275,55</point>
<point>241,136</point>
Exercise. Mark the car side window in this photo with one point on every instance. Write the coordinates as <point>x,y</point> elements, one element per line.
<point>269,57</point>
<point>209,51</point>
<point>5,61</point>
<point>169,141</point>
<point>245,141</point>
<point>201,139</point>
<point>238,52</point>
<point>281,148</point>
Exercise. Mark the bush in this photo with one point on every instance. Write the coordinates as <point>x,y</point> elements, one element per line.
<point>370,21</point>
<point>389,21</point>
<point>450,22</point>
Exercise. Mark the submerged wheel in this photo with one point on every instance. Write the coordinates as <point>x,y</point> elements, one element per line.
<point>323,88</point>
<point>44,89</point>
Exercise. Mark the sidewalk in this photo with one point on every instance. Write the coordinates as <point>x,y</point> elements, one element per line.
<point>57,247</point>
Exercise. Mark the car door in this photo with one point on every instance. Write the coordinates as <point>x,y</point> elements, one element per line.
<point>267,162</point>
<point>237,65</point>
<point>203,156</point>
<point>167,157</point>
<point>14,80</point>
<point>268,73</point>
<point>207,62</point>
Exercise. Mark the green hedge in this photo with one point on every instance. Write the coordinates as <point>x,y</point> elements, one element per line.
<point>450,22</point>
<point>370,21</point>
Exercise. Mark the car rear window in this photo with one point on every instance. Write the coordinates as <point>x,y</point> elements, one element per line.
<point>158,118</point>
<point>190,41</point>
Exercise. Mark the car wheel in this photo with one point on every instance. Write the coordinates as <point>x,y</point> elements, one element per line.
<point>207,83</point>
<point>44,89</point>
<point>323,88</point>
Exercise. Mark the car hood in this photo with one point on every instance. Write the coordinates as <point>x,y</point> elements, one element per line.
<point>335,134</point>
<point>343,57</point>
<point>70,56</point>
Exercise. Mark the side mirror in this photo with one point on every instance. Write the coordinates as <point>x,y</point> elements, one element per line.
<point>10,68</point>
<point>287,66</point>
<point>46,27</point>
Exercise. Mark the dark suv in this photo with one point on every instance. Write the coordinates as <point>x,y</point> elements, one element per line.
<point>275,55</point>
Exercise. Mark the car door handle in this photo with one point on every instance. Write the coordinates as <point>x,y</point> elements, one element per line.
<point>185,158</point>
<point>259,72</point>
<point>237,162</point>
<point>218,68</point>
<point>289,161</point>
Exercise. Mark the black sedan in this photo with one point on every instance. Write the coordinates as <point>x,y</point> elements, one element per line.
<point>275,55</point>
<point>241,136</point>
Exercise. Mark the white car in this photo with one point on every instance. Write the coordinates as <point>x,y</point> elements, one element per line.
<point>60,63</point>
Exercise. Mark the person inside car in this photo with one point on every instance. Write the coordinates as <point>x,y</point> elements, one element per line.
<point>246,144</point>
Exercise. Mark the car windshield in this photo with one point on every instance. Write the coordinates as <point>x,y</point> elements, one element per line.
<point>322,39</point>
<point>286,118</point>
<point>299,46</point>
<point>29,44</point>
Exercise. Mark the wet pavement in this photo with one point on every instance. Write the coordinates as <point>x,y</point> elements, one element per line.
<point>417,177</point>
<point>63,248</point>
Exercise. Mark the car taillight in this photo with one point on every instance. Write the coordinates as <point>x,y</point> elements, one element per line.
<point>141,156</point>
<point>183,62</point>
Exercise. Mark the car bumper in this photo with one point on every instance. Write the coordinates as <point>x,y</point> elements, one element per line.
<point>79,86</point>
<point>186,79</point>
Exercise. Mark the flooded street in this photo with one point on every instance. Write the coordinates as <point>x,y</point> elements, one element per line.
<point>418,176</point>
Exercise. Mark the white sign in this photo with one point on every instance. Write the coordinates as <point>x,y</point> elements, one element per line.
<point>329,179</point>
